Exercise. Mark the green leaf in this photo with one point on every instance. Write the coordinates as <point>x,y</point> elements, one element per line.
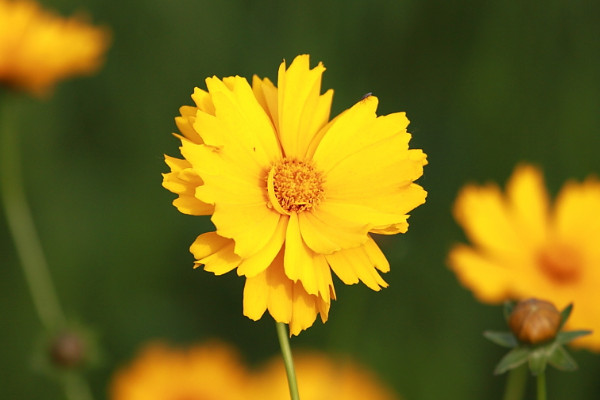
<point>512,359</point>
<point>566,337</point>
<point>564,315</point>
<point>560,359</point>
<point>504,339</point>
<point>538,360</point>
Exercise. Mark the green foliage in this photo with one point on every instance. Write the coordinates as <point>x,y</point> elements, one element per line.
<point>485,85</point>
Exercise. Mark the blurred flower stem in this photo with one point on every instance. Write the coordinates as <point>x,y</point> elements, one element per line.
<point>20,221</point>
<point>515,383</point>
<point>288,361</point>
<point>76,388</point>
<point>541,385</point>
<point>22,229</point>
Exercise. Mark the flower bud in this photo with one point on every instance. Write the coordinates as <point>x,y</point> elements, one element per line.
<point>67,350</point>
<point>534,321</point>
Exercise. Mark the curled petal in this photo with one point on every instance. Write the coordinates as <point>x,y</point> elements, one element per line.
<point>215,253</point>
<point>183,180</point>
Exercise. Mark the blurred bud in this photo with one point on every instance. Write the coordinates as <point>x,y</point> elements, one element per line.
<point>534,321</point>
<point>67,350</point>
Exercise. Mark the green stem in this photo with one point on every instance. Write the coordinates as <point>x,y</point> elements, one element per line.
<point>20,223</point>
<point>76,388</point>
<point>284,342</point>
<point>29,249</point>
<point>515,383</point>
<point>541,386</point>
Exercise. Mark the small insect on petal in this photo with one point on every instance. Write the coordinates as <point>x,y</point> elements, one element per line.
<point>366,95</point>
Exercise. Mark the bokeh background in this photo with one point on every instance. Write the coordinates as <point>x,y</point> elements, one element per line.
<point>485,84</point>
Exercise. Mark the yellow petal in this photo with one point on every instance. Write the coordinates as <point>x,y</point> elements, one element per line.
<point>286,301</point>
<point>256,296</point>
<point>325,232</point>
<point>412,196</point>
<point>529,203</point>
<point>483,214</point>
<point>203,101</point>
<point>216,133</point>
<point>215,253</point>
<point>304,310</point>
<point>251,226</point>
<point>303,265</point>
<point>489,281</point>
<point>356,264</point>
<point>266,95</point>
<point>576,213</point>
<point>301,111</point>
<point>376,255</point>
<point>280,290</point>
<point>183,180</point>
<point>224,180</point>
<point>392,229</point>
<point>359,216</point>
<point>261,260</point>
<point>378,178</point>
<point>245,122</point>
<point>185,123</point>
<point>358,128</point>
<point>364,177</point>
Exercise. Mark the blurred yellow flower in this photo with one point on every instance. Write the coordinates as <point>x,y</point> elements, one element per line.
<point>210,371</point>
<point>292,194</point>
<point>214,371</point>
<point>320,378</point>
<point>525,247</point>
<point>38,48</point>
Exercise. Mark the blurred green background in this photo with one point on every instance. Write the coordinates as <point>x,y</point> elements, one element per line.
<point>485,84</point>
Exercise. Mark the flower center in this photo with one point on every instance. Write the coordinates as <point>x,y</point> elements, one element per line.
<point>294,186</point>
<point>560,263</point>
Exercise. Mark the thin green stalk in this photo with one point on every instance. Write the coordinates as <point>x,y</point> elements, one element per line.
<point>284,342</point>
<point>29,249</point>
<point>515,383</point>
<point>541,386</point>
<point>20,223</point>
<point>76,387</point>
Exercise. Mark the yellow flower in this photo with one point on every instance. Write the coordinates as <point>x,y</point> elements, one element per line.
<point>38,48</point>
<point>320,377</point>
<point>292,194</point>
<point>210,371</point>
<point>525,247</point>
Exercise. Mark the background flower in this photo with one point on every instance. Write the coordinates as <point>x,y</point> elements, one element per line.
<point>320,377</point>
<point>295,195</point>
<point>208,371</point>
<point>38,48</point>
<point>525,247</point>
<point>214,371</point>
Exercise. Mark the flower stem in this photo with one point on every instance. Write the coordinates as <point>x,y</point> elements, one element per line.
<point>76,388</point>
<point>515,383</point>
<point>541,386</point>
<point>284,342</point>
<point>20,223</point>
<point>29,249</point>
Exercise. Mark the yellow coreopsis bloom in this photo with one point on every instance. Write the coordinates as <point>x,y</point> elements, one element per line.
<point>38,48</point>
<point>525,247</point>
<point>292,194</point>
<point>320,377</point>
<point>209,371</point>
